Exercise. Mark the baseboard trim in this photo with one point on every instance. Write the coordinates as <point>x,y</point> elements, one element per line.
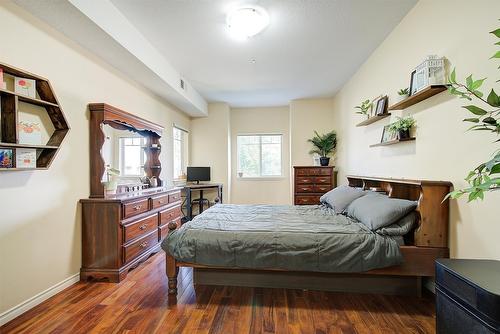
<point>39,298</point>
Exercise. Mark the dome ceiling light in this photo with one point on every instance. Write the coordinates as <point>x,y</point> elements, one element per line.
<point>247,21</point>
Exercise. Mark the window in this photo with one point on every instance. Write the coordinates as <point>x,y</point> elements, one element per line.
<point>180,152</point>
<point>132,156</point>
<point>259,155</point>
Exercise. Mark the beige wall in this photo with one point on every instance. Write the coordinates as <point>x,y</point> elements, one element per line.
<point>209,141</point>
<point>261,120</point>
<point>40,226</point>
<point>443,150</point>
<point>306,116</point>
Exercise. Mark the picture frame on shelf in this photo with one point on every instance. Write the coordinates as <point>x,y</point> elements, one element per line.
<point>25,158</point>
<point>26,87</point>
<point>413,85</point>
<point>387,135</point>
<point>6,158</point>
<point>29,133</point>
<point>381,106</point>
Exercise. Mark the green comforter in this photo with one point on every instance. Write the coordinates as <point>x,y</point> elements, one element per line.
<point>297,238</point>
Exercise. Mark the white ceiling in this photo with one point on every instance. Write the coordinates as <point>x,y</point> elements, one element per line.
<point>310,49</point>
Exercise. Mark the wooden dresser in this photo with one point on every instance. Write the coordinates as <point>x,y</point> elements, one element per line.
<point>120,232</point>
<point>310,182</point>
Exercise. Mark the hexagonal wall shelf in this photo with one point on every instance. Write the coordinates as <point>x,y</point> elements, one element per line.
<point>9,119</point>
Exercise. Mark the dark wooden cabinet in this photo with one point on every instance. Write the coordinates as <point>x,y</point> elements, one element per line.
<point>467,296</point>
<point>119,232</point>
<point>310,182</point>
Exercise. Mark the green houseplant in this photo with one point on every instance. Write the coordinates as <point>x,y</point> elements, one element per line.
<point>402,127</point>
<point>324,145</point>
<point>403,93</point>
<point>485,117</point>
<point>365,108</point>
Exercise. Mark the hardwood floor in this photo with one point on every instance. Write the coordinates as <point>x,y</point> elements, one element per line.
<point>140,305</point>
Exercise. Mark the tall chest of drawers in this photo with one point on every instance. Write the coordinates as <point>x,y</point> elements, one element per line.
<point>310,182</point>
<point>121,231</point>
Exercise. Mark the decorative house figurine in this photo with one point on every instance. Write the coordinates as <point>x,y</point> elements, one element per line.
<point>430,72</point>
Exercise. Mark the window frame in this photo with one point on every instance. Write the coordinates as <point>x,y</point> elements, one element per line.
<point>184,154</point>
<point>121,156</point>
<point>260,177</point>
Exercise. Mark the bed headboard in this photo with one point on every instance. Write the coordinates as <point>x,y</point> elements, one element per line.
<point>434,214</point>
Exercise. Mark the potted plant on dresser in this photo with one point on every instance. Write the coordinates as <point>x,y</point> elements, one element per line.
<point>402,127</point>
<point>324,145</point>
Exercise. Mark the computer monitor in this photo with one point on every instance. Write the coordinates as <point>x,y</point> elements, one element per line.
<point>198,174</point>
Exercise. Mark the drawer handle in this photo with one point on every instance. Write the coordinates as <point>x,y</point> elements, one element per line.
<point>137,207</point>
<point>143,227</point>
<point>144,244</point>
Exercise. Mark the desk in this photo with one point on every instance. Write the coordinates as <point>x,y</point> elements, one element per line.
<point>189,188</point>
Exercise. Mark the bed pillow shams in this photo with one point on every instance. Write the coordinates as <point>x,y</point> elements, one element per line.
<point>376,211</point>
<point>339,198</point>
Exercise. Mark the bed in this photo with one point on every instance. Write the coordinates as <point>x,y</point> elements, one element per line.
<point>314,240</point>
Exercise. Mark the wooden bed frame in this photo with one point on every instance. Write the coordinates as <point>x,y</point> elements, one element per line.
<point>428,242</point>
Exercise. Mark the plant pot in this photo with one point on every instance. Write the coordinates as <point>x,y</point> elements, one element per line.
<point>403,134</point>
<point>324,161</point>
<point>402,97</point>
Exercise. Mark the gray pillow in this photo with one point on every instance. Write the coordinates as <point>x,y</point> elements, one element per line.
<point>376,211</point>
<point>339,198</point>
<point>402,227</point>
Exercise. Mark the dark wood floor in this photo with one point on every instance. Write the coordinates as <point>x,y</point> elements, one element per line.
<point>140,305</point>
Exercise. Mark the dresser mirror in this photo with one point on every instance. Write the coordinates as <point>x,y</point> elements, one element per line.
<point>124,151</point>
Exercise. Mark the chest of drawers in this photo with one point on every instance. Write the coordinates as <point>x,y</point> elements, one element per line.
<point>120,232</point>
<point>310,182</point>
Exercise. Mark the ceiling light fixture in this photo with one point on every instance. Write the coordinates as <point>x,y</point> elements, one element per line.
<point>247,21</point>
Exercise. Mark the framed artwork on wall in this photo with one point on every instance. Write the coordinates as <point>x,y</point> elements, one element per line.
<point>387,135</point>
<point>381,106</point>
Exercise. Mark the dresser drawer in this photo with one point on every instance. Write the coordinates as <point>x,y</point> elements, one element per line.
<point>163,230</point>
<point>307,171</point>
<point>134,208</point>
<point>323,180</point>
<point>140,228</point>
<point>138,247</point>
<point>167,216</point>
<point>159,201</point>
<point>325,171</point>
<point>322,188</point>
<point>306,200</point>
<point>305,180</point>
<point>304,188</point>
<point>174,197</point>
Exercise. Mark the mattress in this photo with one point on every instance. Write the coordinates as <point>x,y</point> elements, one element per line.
<point>295,238</point>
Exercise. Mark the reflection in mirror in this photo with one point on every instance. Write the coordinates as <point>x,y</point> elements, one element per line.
<point>123,150</point>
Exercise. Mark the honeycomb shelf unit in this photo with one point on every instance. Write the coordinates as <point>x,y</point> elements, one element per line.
<point>9,119</point>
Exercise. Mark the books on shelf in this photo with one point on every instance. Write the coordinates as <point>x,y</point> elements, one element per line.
<point>25,158</point>
<point>26,87</point>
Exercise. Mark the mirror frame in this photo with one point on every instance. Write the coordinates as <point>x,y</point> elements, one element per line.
<point>102,113</point>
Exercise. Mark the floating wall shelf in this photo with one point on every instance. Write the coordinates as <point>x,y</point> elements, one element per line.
<point>45,154</point>
<point>392,142</point>
<point>419,97</point>
<point>373,119</point>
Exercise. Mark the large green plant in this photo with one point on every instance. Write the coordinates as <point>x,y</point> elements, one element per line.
<point>486,117</point>
<point>403,123</point>
<point>323,144</point>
